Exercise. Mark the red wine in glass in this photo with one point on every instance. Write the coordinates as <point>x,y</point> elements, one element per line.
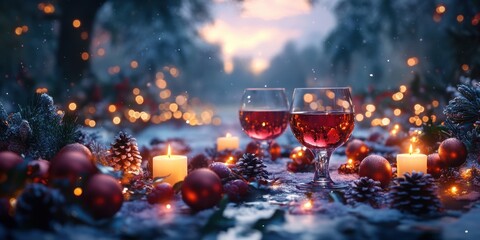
<point>322,129</point>
<point>264,116</point>
<point>322,120</point>
<point>264,125</point>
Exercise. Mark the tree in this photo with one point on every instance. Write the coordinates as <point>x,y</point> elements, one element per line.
<point>437,40</point>
<point>63,30</point>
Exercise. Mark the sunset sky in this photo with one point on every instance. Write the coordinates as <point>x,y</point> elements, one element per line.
<point>258,30</point>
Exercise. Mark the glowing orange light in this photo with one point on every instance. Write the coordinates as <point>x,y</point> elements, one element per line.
<point>85,56</point>
<point>440,9</point>
<point>412,61</point>
<point>307,205</point>
<point>116,120</point>
<point>76,23</point>
<point>134,64</point>
<point>72,106</point>
<point>18,31</point>
<point>101,52</point>
<point>169,150</point>
<point>77,191</point>
<point>112,108</point>
<point>350,161</point>
<point>460,18</point>
<point>48,8</point>
<point>41,90</point>
<point>465,67</point>
<point>168,206</point>
<point>84,35</point>
<point>454,190</point>
<point>410,149</point>
<point>228,135</point>
<point>230,160</point>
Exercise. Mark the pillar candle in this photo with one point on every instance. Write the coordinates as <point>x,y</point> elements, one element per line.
<point>172,167</point>
<point>227,142</point>
<point>409,162</point>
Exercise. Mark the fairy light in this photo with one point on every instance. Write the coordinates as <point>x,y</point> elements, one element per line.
<point>308,98</point>
<point>116,120</point>
<point>307,205</point>
<point>370,108</point>
<point>85,56</point>
<point>139,99</point>
<point>76,23</point>
<point>359,117</point>
<point>133,64</point>
<point>460,18</point>
<point>412,61</point>
<point>77,191</point>
<point>440,9</point>
<point>101,52</point>
<point>112,108</point>
<point>72,106</point>
<point>454,190</point>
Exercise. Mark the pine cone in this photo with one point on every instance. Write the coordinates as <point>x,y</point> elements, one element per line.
<point>415,194</point>
<point>364,190</point>
<point>251,168</point>
<point>124,154</point>
<point>40,207</point>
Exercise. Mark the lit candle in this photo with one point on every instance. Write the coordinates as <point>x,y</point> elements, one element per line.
<point>409,162</point>
<point>171,167</point>
<point>227,142</point>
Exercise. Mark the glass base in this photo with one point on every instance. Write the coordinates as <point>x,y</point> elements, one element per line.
<point>315,186</point>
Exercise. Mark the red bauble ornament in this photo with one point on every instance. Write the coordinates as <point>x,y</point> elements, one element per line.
<point>161,193</point>
<point>275,150</point>
<point>103,196</point>
<point>435,165</point>
<point>38,170</point>
<point>8,160</point>
<point>301,155</point>
<point>376,136</point>
<point>357,150</point>
<point>69,167</point>
<point>202,189</point>
<point>76,147</point>
<point>220,169</point>
<point>377,168</point>
<point>237,190</point>
<point>253,148</point>
<point>453,152</point>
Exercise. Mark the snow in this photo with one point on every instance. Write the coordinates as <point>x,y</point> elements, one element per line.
<point>326,219</point>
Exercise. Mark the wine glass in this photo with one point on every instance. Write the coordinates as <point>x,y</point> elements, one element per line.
<point>321,119</point>
<point>264,115</point>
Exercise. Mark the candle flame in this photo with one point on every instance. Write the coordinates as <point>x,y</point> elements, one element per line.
<point>308,205</point>
<point>169,151</point>
<point>168,206</point>
<point>454,190</point>
<point>228,135</point>
<point>230,160</point>
<point>410,150</point>
<point>350,161</point>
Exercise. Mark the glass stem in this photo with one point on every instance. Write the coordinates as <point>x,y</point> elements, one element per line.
<point>265,149</point>
<point>322,159</point>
